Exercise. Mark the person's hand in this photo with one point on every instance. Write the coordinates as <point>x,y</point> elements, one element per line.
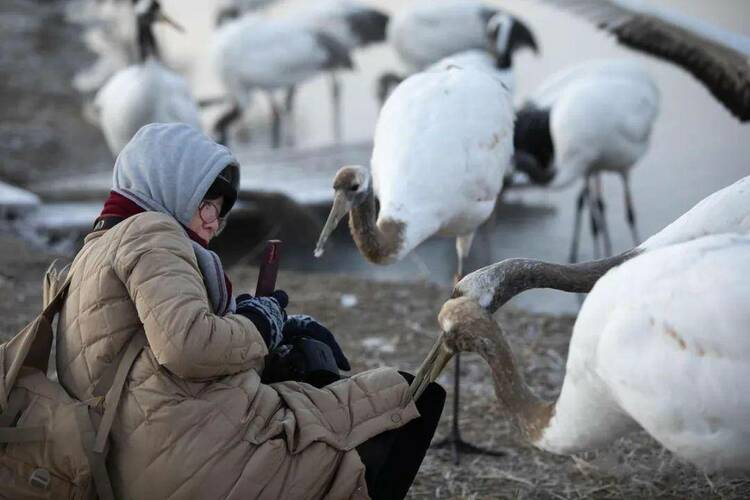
<point>266,313</point>
<point>302,325</point>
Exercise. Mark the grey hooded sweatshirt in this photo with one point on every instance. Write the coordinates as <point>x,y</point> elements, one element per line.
<point>168,168</point>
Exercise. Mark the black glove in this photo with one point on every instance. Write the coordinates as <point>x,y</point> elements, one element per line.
<point>266,313</point>
<point>302,325</point>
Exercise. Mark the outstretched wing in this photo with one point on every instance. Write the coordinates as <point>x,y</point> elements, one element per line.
<point>719,59</point>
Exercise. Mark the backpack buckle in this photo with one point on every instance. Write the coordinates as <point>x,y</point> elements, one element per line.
<point>40,478</point>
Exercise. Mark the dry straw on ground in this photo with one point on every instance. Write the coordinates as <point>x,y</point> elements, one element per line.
<point>394,324</point>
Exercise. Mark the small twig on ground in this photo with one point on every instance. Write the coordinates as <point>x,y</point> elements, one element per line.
<point>506,475</point>
<point>710,483</point>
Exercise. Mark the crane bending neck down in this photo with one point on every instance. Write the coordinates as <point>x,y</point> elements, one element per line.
<point>725,211</point>
<point>641,340</point>
<point>495,285</point>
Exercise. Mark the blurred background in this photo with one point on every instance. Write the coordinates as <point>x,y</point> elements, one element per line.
<point>55,171</point>
<point>696,146</point>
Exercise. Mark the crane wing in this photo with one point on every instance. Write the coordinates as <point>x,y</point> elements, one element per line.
<point>720,60</point>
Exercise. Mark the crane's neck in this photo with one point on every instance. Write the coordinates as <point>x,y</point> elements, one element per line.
<point>496,284</point>
<point>147,46</point>
<point>379,241</point>
<point>570,424</point>
<point>530,414</point>
<point>504,60</point>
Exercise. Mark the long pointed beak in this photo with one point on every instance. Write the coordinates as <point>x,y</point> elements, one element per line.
<point>160,16</point>
<point>431,369</point>
<point>340,208</point>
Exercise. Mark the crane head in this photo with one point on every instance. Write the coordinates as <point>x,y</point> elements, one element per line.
<point>351,186</point>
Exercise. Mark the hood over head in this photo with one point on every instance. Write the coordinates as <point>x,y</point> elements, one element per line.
<point>169,167</point>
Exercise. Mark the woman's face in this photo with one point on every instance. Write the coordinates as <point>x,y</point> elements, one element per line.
<point>206,221</point>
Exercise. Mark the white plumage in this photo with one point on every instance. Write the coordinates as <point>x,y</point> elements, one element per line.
<point>143,93</point>
<point>594,117</point>
<point>353,24</point>
<point>253,52</point>
<point>109,31</point>
<point>426,34</point>
<point>720,59</point>
<point>478,59</point>
<point>233,9</point>
<point>660,343</point>
<point>427,31</point>
<point>725,211</point>
<point>601,119</point>
<point>442,146</point>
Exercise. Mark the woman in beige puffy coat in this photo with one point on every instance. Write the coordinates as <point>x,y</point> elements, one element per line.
<point>194,420</point>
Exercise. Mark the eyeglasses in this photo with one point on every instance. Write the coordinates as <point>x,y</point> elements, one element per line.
<point>209,213</point>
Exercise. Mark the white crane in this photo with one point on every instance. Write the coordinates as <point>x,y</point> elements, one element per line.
<point>725,211</point>
<point>109,31</point>
<point>427,31</point>
<point>354,25</point>
<point>144,93</point>
<point>720,59</point>
<point>442,145</point>
<point>660,344</point>
<point>591,118</point>
<point>255,53</point>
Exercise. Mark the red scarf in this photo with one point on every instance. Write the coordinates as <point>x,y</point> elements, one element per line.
<point>118,205</point>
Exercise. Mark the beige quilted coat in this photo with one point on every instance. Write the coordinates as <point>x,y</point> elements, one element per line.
<point>194,420</point>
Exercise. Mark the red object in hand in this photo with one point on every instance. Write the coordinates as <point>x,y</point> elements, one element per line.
<point>269,268</point>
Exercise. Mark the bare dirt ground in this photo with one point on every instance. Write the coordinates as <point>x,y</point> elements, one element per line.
<point>394,324</point>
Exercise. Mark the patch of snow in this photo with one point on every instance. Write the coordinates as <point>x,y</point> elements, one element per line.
<point>349,300</point>
<point>13,197</point>
<point>379,344</point>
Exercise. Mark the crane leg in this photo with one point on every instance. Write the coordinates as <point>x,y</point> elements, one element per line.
<point>601,208</point>
<point>593,216</point>
<point>288,121</point>
<point>275,121</point>
<point>222,124</point>
<point>580,201</point>
<point>454,439</point>
<point>629,209</point>
<point>336,101</point>
<point>463,247</point>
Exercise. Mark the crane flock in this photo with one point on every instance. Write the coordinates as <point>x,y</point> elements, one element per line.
<point>446,142</point>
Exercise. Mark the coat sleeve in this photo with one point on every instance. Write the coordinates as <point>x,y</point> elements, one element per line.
<point>156,262</point>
